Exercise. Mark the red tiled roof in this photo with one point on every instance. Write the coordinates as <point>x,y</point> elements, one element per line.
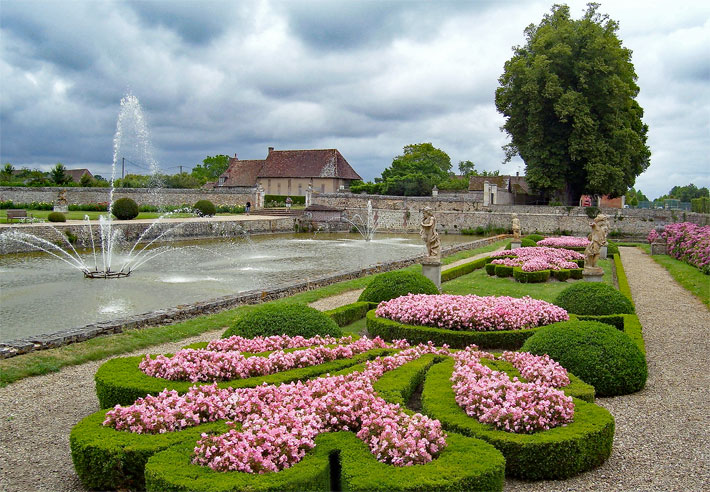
<point>327,163</point>
<point>241,173</point>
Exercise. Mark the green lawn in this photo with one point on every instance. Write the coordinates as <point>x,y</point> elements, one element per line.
<point>480,283</point>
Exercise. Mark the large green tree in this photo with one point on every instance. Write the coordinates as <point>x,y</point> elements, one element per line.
<point>568,96</point>
<point>416,171</point>
<point>211,168</point>
<point>59,174</point>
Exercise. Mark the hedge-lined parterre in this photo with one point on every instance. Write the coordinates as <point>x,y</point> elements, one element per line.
<point>557,453</point>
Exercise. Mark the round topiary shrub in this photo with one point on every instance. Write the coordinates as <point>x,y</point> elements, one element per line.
<point>125,209</point>
<point>205,208</point>
<point>280,319</point>
<point>396,284</point>
<point>534,237</point>
<point>598,353</point>
<point>56,217</point>
<point>594,298</point>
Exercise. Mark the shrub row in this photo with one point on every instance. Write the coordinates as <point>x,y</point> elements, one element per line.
<point>119,381</point>
<point>350,313</point>
<point>29,206</point>
<point>464,269</point>
<point>393,330</point>
<point>530,277</point>
<point>552,454</point>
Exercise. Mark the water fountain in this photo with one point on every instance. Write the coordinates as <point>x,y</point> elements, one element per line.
<point>131,114</point>
<point>365,226</point>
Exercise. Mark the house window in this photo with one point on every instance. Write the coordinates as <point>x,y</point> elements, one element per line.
<point>222,179</point>
<point>300,188</point>
<point>322,188</point>
<point>278,187</point>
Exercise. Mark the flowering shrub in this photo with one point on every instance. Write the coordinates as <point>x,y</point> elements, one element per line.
<point>280,423</point>
<point>564,242</point>
<point>687,242</point>
<point>209,365</point>
<point>513,406</point>
<point>538,258</point>
<point>471,312</point>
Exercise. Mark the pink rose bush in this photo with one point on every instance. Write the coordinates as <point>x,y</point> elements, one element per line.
<point>533,259</point>
<point>210,365</point>
<point>471,312</point>
<point>687,242</point>
<point>513,406</point>
<point>564,242</point>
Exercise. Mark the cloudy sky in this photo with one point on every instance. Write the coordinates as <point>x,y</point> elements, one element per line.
<point>366,77</point>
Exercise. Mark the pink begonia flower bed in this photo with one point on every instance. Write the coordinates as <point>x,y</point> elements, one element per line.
<point>280,423</point>
<point>533,259</point>
<point>274,342</point>
<point>471,312</point>
<point>564,242</point>
<point>687,242</point>
<point>513,406</point>
<point>209,365</point>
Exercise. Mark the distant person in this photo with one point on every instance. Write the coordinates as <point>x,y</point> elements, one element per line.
<point>248,207</point>
<point>288,202</point>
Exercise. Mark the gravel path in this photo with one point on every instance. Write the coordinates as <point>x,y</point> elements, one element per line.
<point>662,432</point>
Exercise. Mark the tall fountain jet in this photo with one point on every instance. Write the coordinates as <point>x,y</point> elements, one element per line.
<point>130,124</point>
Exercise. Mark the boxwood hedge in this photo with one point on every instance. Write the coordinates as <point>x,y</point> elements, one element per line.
<point>464,269</point>
<point>556,453</point>
<point>393,330</point>
<point>350,313</point>
<point>530,277</point>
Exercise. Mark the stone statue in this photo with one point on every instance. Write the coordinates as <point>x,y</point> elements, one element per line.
<point>429,234</point>
<point>516,227</point>
<point>597,238</point>
<point>62,197</point>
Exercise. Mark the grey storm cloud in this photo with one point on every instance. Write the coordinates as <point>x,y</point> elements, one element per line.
<point>365,77</point>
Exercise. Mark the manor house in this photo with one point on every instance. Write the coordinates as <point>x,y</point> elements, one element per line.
<point>291,172</point>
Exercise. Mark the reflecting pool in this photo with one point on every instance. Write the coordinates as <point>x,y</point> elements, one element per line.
<point>40,294</point>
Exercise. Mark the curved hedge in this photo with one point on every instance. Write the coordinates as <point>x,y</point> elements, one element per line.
<point>534,237</point>
<point>283,319</point>
<point>398,283</point>
<point>598,353</point>
<point>530,277</point>
<point>343,459</point>
<point>106,458</point>
<point>392,330</point>
<point>594,298</point>
<point>119,381</point>
<point>556,453</point>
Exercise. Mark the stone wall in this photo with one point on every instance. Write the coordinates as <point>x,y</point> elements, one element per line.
<point>173,230</point>
<point>142,196</point>
<point>175,314</point>
<point>403,214</point>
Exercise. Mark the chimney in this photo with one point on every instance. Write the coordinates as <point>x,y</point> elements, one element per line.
<point>271,149</point>
<point>517,173</point>
<point>235,155</point>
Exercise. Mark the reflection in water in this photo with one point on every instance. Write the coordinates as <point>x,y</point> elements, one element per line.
<point>39,294</point>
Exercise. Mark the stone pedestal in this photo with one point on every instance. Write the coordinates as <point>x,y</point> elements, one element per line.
<point>431,268</point>
<point>60,208</point>
<point>659,248</point>
<point>515,244</point>
<point>602,252</point>
<point>592,274</point>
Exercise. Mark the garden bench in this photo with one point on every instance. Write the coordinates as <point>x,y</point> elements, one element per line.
<point>16,214</point>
